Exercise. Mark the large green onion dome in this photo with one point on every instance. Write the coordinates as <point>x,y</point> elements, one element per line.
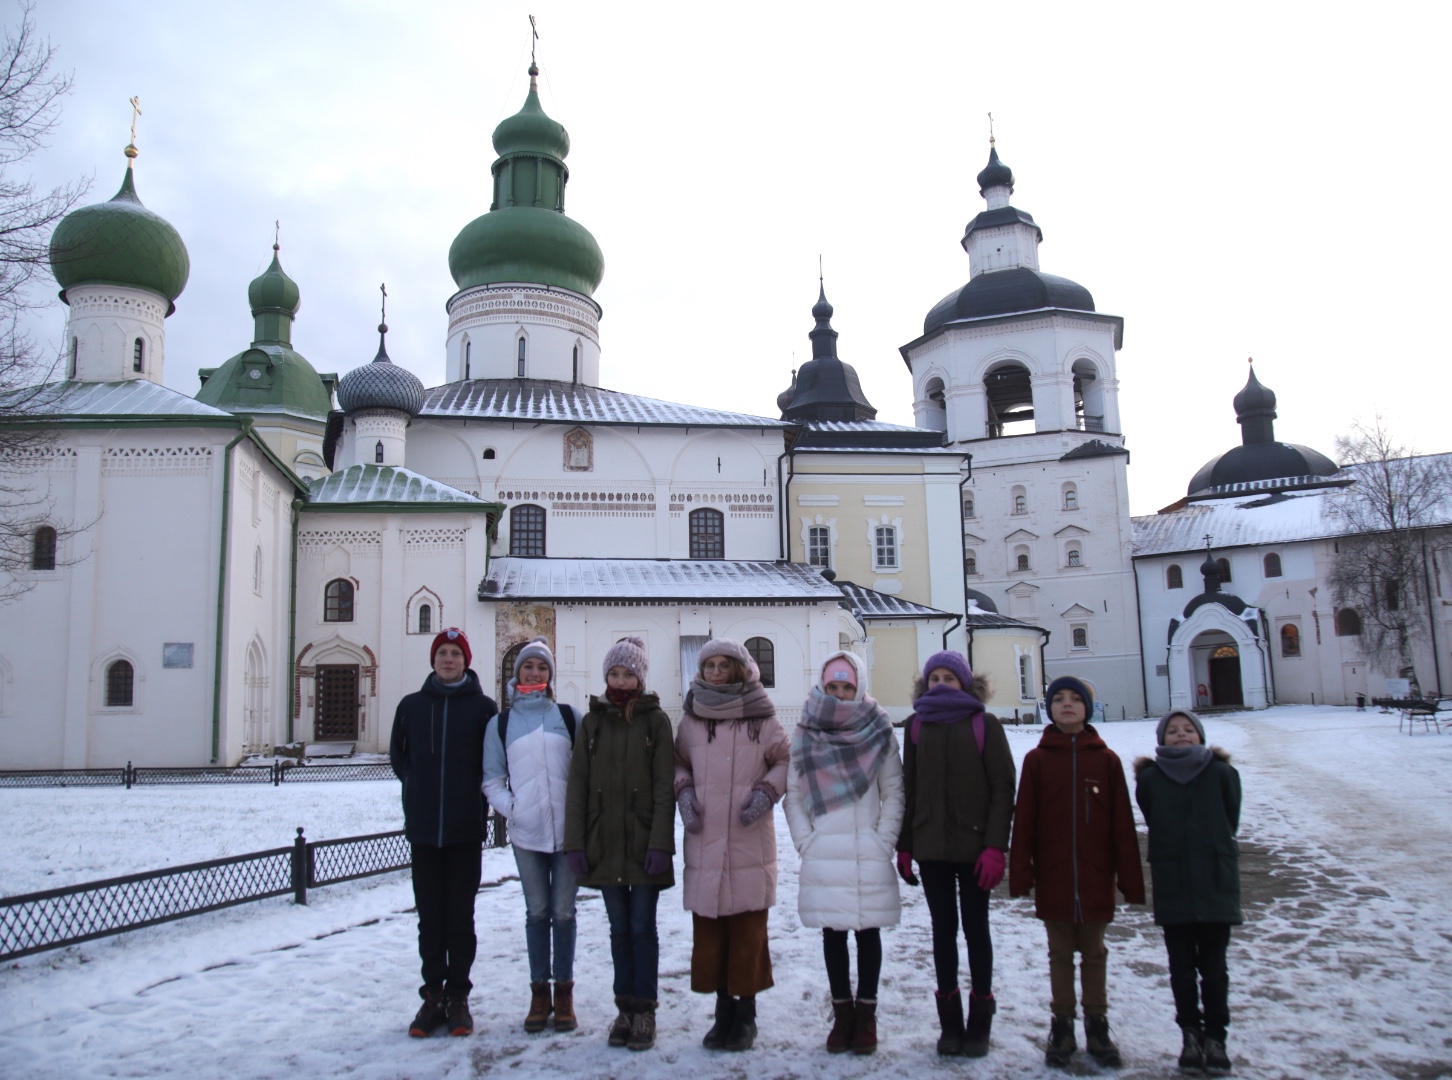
<point>120,243</point>
<point>526,236</point>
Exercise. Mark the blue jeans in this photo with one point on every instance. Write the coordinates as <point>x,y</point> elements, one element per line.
<point>549,912</point>
<point>634,943</point>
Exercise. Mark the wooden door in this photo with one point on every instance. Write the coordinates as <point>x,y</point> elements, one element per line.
<point>1225,678</point>
<point>337,703</point>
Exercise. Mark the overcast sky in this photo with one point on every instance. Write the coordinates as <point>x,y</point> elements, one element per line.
<point>1235,180</point>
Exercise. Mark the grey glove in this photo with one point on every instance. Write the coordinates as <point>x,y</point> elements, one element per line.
<point>690,810</point>
<point>756,806</point>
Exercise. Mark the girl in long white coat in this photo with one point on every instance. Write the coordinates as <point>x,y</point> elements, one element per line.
<point>844,807</point>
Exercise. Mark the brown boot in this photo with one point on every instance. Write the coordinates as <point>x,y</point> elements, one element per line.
<point>565,1006</point>
<point>620,1029</point>
<point>864,1029</point>
<point>839,1039</point>
<point>539,1007</point>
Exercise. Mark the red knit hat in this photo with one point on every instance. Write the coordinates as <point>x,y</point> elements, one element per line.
<point>452,636</point>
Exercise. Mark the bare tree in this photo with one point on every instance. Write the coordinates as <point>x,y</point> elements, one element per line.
<point>1395,519</point>
<point>31,91</point>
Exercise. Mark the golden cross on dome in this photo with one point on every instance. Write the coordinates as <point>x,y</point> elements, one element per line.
<point>990,129</point>
<point>135,112</point>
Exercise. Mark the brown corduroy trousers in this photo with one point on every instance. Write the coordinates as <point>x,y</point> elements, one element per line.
<point>730,955</point>
<point>1087,939</point>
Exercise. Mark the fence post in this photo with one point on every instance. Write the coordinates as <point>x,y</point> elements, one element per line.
<point>276,773</point>
<point>127,776</point>
<point>300,869</point>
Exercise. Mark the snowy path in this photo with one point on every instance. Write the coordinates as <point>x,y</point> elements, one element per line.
<point>1344,968</point>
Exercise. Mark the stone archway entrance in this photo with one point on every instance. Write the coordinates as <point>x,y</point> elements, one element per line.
<point>1225,686</point>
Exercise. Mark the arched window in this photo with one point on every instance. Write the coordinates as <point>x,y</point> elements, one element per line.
<point>138,356</point>
<point>1290,640</point>
<point>1272,565</point>
<point>884,547</point>
<point>1393,595</point>
<point>1021,561</point>
<point>42,550</point>
<point>819,545</point>
<point>338,601</point>
<point>708,534</point>
<point>968,510</point>
<point>527,531</point>
<point>764,654</point>
<point>257,570</point>
<point>970,561</point>
<point>74,361</point>
<point>120,683</point>
<point>575,365</point>
<point>506,669</point>
<point>378,453</point>
<point>520,367</point>
<point>1074,557</point>
<point>1020,504</point>
<point>1224,565</point>
<point>1081,637</point>
<point>1348,623</point>
<point>1174,577</point>
<point>489,453</point>
<point>468,357</point>
<point>425,619</point>
<point>1026,677</point>
<point>1071,497</point>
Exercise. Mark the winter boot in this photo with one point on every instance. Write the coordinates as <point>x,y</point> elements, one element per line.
<point>980,1021</point>
<point>950,1016</point>
<point>539,1007</point>
<point>1061,1045</point>
<point>725,1013</point>
<point>839,1039</point>
<point>642,1025</point>
<point>743,1025</point>
<point>456,1009</point>
<point>565,1006</point>
<point>1216,1059</point>
<point>430,1014</point>
<point>1192,1049</point>
<point>1097,1041</point>
<point>620,1029</point>
<point>864,1027</point>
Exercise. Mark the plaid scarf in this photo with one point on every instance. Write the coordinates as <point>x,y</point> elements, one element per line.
<point>713,704</point>
<point>837,748</point>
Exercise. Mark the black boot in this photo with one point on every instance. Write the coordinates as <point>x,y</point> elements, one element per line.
<point>743,1025</point>
<point>1097,1041</point>
<point>950,1018</point>
<point>1061,1045</point>
<point>430,1015</point>
<point>1192,1049</point>
<point>980,1022</point>
<point>725,1012</point>
<point>1216,1059</point>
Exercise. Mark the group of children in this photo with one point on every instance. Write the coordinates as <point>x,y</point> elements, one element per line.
<point>593,801</point>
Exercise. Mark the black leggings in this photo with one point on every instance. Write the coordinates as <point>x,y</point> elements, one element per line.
<point>1200,948</point>
<point>941,881</point>
<point>869,963</point>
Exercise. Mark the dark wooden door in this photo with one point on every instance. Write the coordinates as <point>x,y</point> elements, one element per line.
<point>337,710</point>
<point>1225,681</point>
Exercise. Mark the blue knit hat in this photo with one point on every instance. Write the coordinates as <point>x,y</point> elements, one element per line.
<point>1083,687</point>
<point>954,662</point>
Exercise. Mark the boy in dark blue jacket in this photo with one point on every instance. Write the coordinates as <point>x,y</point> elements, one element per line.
<point>437,750</point>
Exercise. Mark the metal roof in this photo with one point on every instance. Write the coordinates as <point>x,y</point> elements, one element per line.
<point>132,398</point>
<point>867,603</point>
<point>549,402</point>
<point>655,580</point>
<point>382,483</point>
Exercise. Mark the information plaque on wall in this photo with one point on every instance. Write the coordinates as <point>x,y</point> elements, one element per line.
<point>176,654</point>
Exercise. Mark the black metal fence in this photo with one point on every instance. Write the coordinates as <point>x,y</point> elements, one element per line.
<point>35,922</point>
<point>133,775</point>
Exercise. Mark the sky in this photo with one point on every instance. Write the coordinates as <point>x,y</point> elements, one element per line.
<point>1335,973</point>
<point>1228,179</point>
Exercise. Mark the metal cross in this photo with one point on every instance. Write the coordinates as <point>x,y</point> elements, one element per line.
<point>135,112</point>
<point>1206,538</point>
<point>276,234</point>
<point>990,129</point>
<point>383,303</point>
<point>534,37</point>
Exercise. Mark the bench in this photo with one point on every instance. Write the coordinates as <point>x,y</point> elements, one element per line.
<point>1430,712</point>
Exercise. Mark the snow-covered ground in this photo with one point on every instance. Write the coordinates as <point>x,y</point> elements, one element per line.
<point>1344,968</point>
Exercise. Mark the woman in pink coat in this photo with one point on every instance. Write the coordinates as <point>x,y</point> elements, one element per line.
<point>731,768</point>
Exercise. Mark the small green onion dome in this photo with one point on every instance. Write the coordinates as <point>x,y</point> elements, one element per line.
<point>120,243</point>
<point>274,291</point>
<point>526,235</point>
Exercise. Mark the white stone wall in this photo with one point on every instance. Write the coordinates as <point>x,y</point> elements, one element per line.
<point>102,327</point>
<point>560,330</point>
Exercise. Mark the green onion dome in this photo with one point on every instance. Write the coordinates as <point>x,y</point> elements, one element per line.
<point>273,291</point>
<point>526,236</point>
<point>120,243</point>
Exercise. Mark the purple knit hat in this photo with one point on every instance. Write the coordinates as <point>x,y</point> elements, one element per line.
<point>954,662</point>
<point>629,653</point>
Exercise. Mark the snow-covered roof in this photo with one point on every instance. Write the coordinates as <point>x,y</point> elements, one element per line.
<point>136,398</point>
<point>383,484</point>
<point>861,425</point>
<point>867,603</point>
<point>548,402</point>
<point>655,580</point>
<point>979,619</point>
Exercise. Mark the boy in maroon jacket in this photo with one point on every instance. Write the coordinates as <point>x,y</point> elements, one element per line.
<point>1073,834</point>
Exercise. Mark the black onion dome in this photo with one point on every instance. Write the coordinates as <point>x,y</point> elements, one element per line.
<point>996,174</point>
<point>983,600</point>
<point>381,385</point>
<point>1007,292</point>
<point>1250,462</point>
<point>1255,399</point>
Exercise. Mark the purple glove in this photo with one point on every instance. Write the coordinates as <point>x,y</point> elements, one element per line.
<point>657,862</point>
<point>756,806</point>
<point>989,868</point>
<point>905,867</point>
<point>577,862</point>
<point>690,810</point>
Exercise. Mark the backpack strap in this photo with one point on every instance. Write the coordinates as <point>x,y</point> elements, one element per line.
<point>567,714</point>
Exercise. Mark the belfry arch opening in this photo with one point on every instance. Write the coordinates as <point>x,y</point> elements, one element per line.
<point>1089,406</point>
<point>1010,400</point>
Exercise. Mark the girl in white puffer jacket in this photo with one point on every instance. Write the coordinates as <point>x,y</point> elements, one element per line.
<point>844,806</point>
